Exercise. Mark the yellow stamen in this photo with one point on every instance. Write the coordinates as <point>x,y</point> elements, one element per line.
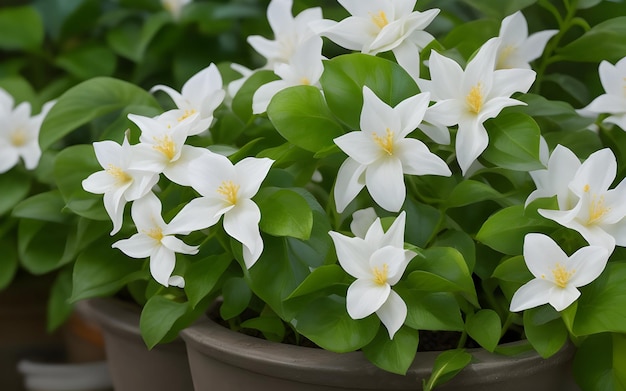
<point>155,233</point>
<point>380,276</point>
<point>586,188</point>
<point>380,19</point>
<point>305,81</point>
<point>187,114</point>
<point>597,209</point>
<point>121,177</point>
<point>18,137</point>
<point>562,275</point>
<point>166,146</point>
<point>386,142</point>
<point>229,190</point>
<point>475,98</point>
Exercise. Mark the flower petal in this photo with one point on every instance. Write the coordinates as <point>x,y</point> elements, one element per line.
<point>393,313</point>
<point>349,183</point>
<point>162,264</point>
<point>353,255</point>
<point>541,254</point>
<point>242,223</point>
<point>532,294</point>
<point>561,298</point>
<point>385,183</point>
<point>587,264</point>
<point>137,246</point>
<point>365,297</point>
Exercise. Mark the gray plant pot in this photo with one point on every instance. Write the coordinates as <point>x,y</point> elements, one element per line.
<point>224,360</point>
<point>132,366</point>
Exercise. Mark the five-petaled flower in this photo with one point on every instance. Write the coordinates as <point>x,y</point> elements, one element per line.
<point>381,153</point>
<point>377,261</point>
<point>155,239</point>
<point>556,275</point>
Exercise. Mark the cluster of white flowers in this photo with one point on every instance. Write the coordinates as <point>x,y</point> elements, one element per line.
<point>19,133</point>
<point>130,173</point>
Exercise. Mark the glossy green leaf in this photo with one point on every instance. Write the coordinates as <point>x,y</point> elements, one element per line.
<point>432,311</point>
<point>202,276</point>
<point>272,327</point>
<point>46,206</point>
<point>236,297</point>
<point>547,337</point>
<point>485,328</point>
<point>468,37</point>
<point>88,61</point>
<point>87,101</point>
<point>15,187</point>
<point>101,271</point>
<point>158,317</point>
<point>513,142</point>
<point>284,213</point>
<point>499,234</point>
<point>326,322</point>
<point>513,269</point>
<point>132,40</point>
<point>462,242</point>
<point>344,77</point>
<point>446,366</point>
<point>20,28</point>
<point>394,355</point>
<point>499,9</point>
<point>301,116</point>
<point>600,362</point>
<point>605,41</point>
<point>429,219</point>
<point>242,101</point>
<point>469,191</point>
<point>602,304</point>
<point>321,278</point>
<point>44,246</point>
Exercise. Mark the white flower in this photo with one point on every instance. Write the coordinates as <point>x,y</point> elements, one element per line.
<point>556,275</point>
<point>380,154</point>
<point>305,68</point>
<point>517,49</point>
<point>19,133</point>
<point>377,26</point>
<point>118,182</point>
<point>554,181</point>
<point>162,146</point>
<point>289,32</point>
<point>599,213</point>
<point>613,79</point>
<point>201,94</point>
<point>377,261</point>
<point>226,190</point>
<point>155,239</point>
<point>175,7</point>
<point>469,98</point>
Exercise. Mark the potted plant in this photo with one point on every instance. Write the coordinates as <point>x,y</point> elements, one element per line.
<point>374,190</point>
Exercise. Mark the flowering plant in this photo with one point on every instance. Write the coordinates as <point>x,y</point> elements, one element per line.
<point>372,181</point>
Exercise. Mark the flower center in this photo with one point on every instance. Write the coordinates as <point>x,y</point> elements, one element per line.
<point>18,138</point>
<point>380,276</point>
<point>121,177</point>
<point>380,19</point>
<point>155,233</point>
<point>597,208</point>
<point>187,114</point>
<point>503,58</point>
<point>475,98</point>
<point>562,275</point>
<point>386,142</point>
<point>305,81</point>
<point>229,190</point>
<point>166,146</point>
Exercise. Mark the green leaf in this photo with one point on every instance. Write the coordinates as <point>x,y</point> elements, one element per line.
<point>89,100</point>
<point>8,262</point>
<point>605,41</point>
<point>602,304</point>
<point>513,269</point>
<point>284,213</point>
<point>469,191</point>
<point>43,206</point>
<point>446,366</point>
<point>101,271</point>
<point>320,279</point>
<point>394,355</point>
<point>88,61</point>
<point>485,328</point>
<point>302,117</point>
<point>44,246</point>
<point>236,294</point>
<point>468,37</point>
<point>429,219</point>
<point>599,363</point>
<point>513,142</point>
<point>462,242</point>
<point>326,322</point>
<point>131,40</point>
<point>15,186</point>
<point>547,337</point>
<point>202,276</point>
<point>344,77</point>
<point>272,327</point>
<point>242,101</point>
<point>158,317</point>
<point>59,306</point>
<point>443,269</point>
<point>73,165</point>
<point>499,234</point>
<point>20,28</point>
<point>432,311</point>
<point>498,9</point>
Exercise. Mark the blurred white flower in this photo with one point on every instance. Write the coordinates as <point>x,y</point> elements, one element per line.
<point>175,7</point>
<point>613,102</point>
